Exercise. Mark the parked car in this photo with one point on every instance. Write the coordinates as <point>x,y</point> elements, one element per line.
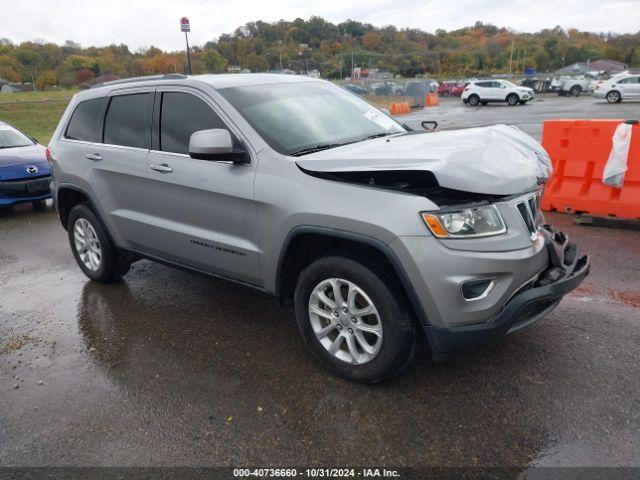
<point>293,186</point>
<point>25,172</point>
<point>618,88</point>
<point>450,89</point>
<point>387,88</point>
<point>357,89</point>
<point>482,92</point>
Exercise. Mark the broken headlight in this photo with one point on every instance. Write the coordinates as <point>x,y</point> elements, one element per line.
<point>466,223</point>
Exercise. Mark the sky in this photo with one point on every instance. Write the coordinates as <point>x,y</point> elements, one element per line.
<point>142,23</point>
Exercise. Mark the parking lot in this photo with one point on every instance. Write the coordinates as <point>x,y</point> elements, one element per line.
<point>171,368</point>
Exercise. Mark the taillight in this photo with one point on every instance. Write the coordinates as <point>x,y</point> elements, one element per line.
<point>48,154</point>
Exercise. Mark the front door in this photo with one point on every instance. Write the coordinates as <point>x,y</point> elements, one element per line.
<point>205,212</point>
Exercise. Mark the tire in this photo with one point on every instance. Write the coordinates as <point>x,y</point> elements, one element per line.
<point>575,91</point>
<point>512,99</point>
<point>614,97</point>
<point>445,93</point>
<point>474,100</point>
<point>39,204</point>
<point>102,262</point>
<point>392,318</point>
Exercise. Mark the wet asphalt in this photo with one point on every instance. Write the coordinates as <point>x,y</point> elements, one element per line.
<point>171,368</point>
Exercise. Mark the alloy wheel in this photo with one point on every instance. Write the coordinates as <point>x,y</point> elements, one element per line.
<point>87,244</point>
<point>345,321</point>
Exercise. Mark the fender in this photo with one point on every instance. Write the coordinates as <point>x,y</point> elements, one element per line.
<point>356,237</point>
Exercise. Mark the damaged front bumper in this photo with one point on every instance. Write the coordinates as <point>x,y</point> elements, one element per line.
<point>567,269</point>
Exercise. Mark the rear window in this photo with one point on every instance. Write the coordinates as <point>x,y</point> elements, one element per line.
<point>128,120</point>
<point>85,123</point>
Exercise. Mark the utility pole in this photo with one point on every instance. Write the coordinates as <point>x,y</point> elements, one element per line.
<point>351,64</point>
<point>185,27</point>
<point>511,56</point>
<point>280,43</point>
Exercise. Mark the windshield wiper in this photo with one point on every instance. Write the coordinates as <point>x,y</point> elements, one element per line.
<point>317,148</point>
<point>378,135</point>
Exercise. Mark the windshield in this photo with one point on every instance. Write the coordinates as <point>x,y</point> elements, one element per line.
<point>10,137</point>
<point>298,118</point>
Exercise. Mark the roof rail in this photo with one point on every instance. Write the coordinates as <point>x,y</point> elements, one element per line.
<point>166,76</point>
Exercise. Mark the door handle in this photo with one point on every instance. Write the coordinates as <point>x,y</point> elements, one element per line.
<point>162,168</point>
<point>94,156</point>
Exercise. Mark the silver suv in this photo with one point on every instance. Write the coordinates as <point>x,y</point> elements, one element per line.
<point>375,233</point>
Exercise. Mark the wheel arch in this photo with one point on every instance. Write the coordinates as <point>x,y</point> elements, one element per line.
<point>295,256</point>
<point>67,197</point>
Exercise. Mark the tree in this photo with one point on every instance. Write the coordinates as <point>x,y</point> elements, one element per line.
<point>46,80</point>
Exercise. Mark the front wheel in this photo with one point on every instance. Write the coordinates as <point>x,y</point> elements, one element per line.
<point>512,99</point>
<point>95,254</point>
<point>613,97</point>
<point>354,319</point>
<point>474,100</point>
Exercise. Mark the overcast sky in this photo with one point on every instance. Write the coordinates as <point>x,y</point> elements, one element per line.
<point>141,23</point>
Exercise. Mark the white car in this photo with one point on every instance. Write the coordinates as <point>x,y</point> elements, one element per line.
<point>618,88</point>
<point>481,92</point>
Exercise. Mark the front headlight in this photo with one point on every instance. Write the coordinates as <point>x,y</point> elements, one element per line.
<point>467,223</point>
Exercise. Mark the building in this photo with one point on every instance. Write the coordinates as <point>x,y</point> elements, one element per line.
<point>582,68</point>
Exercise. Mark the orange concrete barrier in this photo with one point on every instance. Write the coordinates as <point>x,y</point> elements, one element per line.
<point>431,100</point>
<point>579,150</point>
<point>400,108</point>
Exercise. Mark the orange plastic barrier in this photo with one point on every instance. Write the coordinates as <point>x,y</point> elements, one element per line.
<point>579,150</point>
<point>400,108</point>
<point>431,100</point>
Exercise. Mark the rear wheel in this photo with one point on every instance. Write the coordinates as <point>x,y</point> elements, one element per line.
<point>575,90</point>
<point>354,319</point>
<point>613,97</point>
<point>445,93</point>
<point>512,99</point>
<point>95,254</point>
<point>474,100</point>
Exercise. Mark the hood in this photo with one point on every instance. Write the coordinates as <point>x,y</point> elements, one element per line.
<point>10,157</point>
<point>496,160</point>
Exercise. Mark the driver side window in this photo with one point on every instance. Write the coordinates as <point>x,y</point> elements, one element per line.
<point>181,114</point>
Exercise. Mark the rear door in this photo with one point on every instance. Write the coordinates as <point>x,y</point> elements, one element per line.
<point>116,166</point>
<point>204,210</point>
<point>630,87</point>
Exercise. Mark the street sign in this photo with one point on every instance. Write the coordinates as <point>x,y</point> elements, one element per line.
<point>184,25</point>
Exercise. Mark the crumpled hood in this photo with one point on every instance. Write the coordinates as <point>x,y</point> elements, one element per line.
<point>496,160</point>
<point>22,155</point>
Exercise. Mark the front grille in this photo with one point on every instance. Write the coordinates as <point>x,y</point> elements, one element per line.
<point>33,187</point>
<point>530,212</point>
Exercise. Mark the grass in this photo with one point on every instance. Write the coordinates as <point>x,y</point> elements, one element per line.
<point>36,113</point>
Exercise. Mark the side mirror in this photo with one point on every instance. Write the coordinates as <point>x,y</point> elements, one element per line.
<point>216,145</point>
<point>429,125</point>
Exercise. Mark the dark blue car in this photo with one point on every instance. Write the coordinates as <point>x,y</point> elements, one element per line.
<point>25,171</point>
